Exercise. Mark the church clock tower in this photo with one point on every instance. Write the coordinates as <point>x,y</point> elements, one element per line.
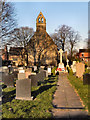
<point>40,22</point>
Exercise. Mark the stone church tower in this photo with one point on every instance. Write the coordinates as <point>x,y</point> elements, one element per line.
<point>41,48</point>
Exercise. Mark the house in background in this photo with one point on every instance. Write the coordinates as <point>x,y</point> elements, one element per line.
<point>84,55</point>
<point>16,55</point>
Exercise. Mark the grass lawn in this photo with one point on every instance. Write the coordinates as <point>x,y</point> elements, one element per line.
<point>38,108</point>
<point>81,89</point>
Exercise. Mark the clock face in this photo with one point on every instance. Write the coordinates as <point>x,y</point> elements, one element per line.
<point>40,15</point>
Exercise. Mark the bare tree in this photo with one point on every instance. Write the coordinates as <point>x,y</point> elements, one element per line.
<point>73,39</point>
<point>61,35</point>
<point>7,21</point>
<point>56,40</point>
<point>21,37</point>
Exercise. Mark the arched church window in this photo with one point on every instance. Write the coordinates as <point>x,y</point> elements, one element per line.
<point>39,20</point>
<point>42,20</point>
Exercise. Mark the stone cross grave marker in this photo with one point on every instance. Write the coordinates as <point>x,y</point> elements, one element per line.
<point>60,51</point>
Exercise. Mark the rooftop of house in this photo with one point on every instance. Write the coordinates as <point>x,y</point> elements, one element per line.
<point>84,50</point>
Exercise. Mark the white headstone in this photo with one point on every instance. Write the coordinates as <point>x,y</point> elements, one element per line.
<point>35,68</point>
<point>49,70</point>
<point>21,71</point>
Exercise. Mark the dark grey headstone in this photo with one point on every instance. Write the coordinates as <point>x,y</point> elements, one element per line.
<point>86,79</point>
<point>23,89</point>
<point>21,76</point>
<point>15,73</point>
<point>34,80</point>
<point>8,80</point>
<point>41,76</point>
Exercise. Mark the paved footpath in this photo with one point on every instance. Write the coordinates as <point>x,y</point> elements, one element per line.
<point>67,104</point>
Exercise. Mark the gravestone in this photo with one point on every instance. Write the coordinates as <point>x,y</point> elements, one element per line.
<point>67,65</point>
<point>80,69</point>
<point>15,73</point>
<point>5,69</point>
<point>8,80</point>
<point>35,68</point>
<point>33,73</point>
<point>73,66</point>
<point>34,80</point>
<point>41,76</point>
<point>1,69</point>
<point>86,79</point>
<point>61,65</point>
<point>46,73</point>
<point>21,76</point>
<point>21,71</point>
<point>49,70</point>
<point>15,69</point>
<point>23,89</point>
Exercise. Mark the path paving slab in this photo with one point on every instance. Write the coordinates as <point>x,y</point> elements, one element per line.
<point>66,102</point>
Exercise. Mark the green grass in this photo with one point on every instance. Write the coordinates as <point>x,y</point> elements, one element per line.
<point>81,89</point>
<point>40,107</point>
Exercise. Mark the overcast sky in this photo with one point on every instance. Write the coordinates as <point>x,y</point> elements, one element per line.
<point>73,14</point>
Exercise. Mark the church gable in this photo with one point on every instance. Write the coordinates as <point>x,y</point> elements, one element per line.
<point>42,47</point>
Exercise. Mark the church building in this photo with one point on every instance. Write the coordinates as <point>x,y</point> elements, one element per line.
<point>41,48</point>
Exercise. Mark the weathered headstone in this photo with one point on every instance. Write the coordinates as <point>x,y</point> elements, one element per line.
<point>8,80</point>
<point>21,76</point>
<point>34,80</point>
<point>73,66</point>
<point>41,76</point>
<point>5,69</point>
<point>23,89</point>
<point>80,69</point>
<point>15,73</point>
<point>86,79</point>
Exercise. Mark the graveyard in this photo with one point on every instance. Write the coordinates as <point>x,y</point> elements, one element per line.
<point>44,73</point>
<point>29,92</point>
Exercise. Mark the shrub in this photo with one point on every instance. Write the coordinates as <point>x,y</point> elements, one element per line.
<point>70,71</point>
<point>53,70</point>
